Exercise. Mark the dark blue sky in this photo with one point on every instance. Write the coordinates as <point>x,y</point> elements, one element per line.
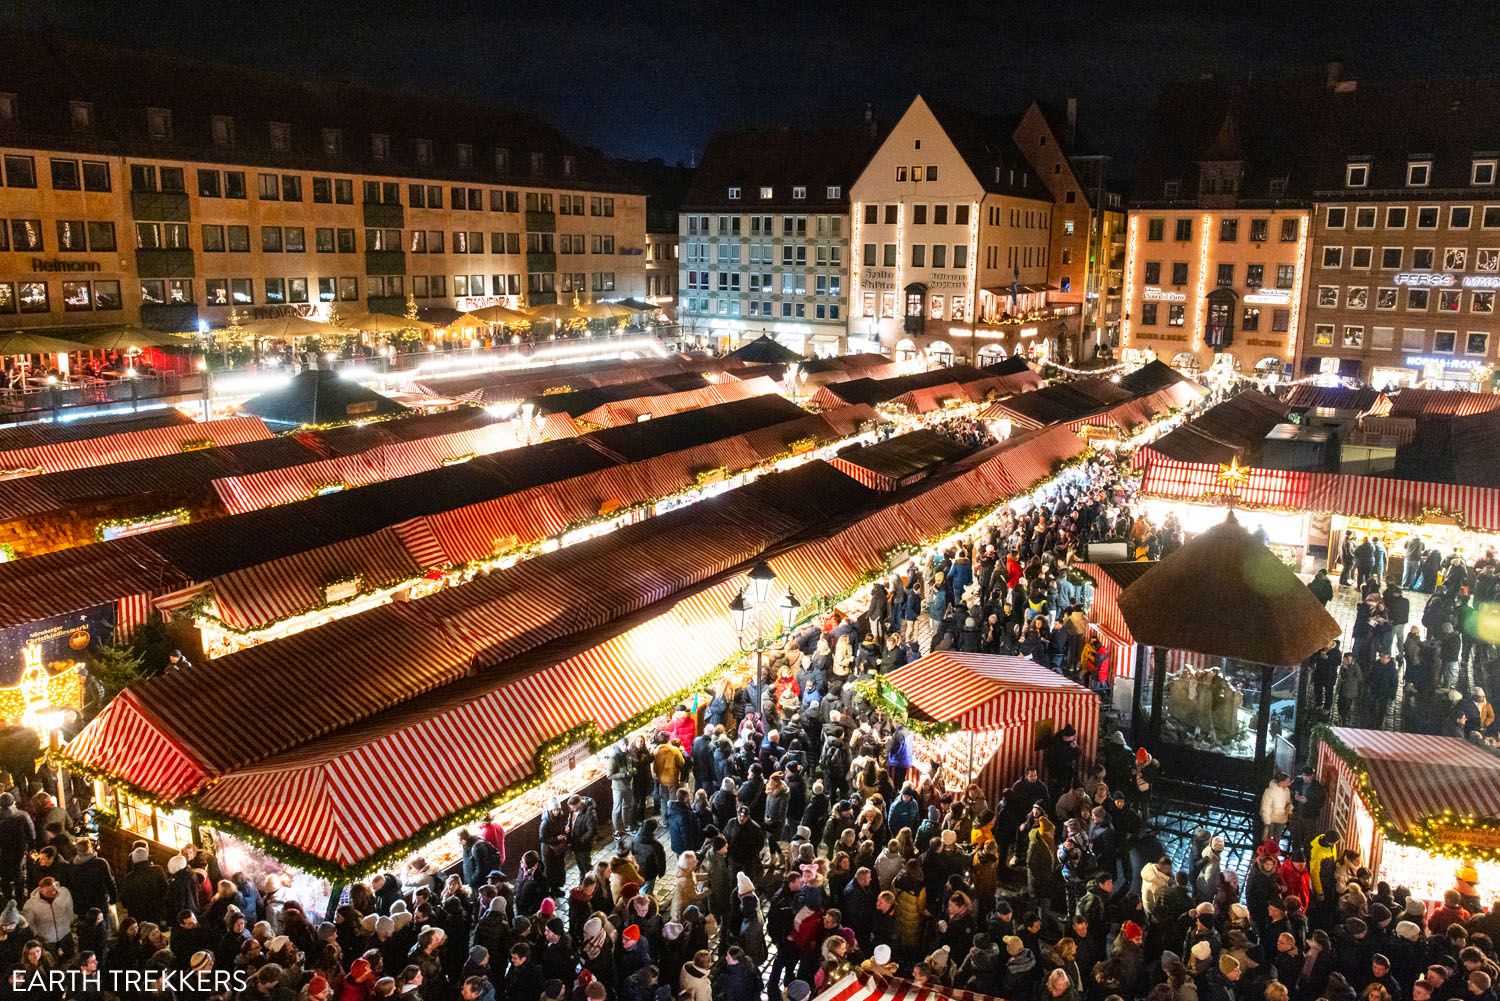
<point>657,77</point>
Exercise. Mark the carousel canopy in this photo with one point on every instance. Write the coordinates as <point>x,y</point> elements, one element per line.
<point>320,397</point>
<point>764,349</point>
<point>1226,595</point>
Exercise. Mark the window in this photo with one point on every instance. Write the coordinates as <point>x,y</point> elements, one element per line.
<point>1418,173</point>
<point>1416,299</point>
<point>1385,297</point>
<point>1354,336</point>
<point>101,236</point>
<point>1171,189</point>
<point>1395,217</point>
<point>158,123</point>
<point>1323,335</point>
<point>71,237</point>
<point>1148,314</point>
<point>1383,338</point>
<point>1155,228</point>
<point>888,255</point>
<point>270,239</point>
<point>1225,275</point>
<point>65,175</point>
<point>932,172</point>
<point>1455,258</point>
<point>1482,173</point>
<point>1357,297</point>
<point>1364,217</point>
<point>1290,230</point>
<point>733,194</point>
<point>332,142</point>
<point>1356,175</point>
<point>238,239</point>
<point>1258,230</point>
<point>1444,341</point>
<point>221,127</point>
<point>33,297</point>
<point>960,255</point>
<point>1184,230</point>
<point>7,107</point>
<point>1285,273</point>
<point>234,184</point>
<point>1229,230</point>
<point>1460,216</point>
<point>95,175</point>
<point>1176,314</point>
<point>173,179</point>
<point>939,255</point>
<point>1336,217</point>
<point>1153,273</point>
<point>1390,258</point>
<point>424,152</point>
<point>799,193</point>
<point>1333,257</point>
<point>210,184</point>
<point>1360,258</point>
<point>1179,273</point>
<point>834,192</point>
<point>291,188</point>
<point>1449,300</point>
<point>81,114</point>
<point>919,215</point>
<point>538,164</point>
<point>464,154</point>
<point>1427,217</point>
<point>380,146</point>
<point>269,188</point>
<point>1413,339</point>
<point>213,239</point>
<point>1250,318</point>
<point>20,171</point>
<point>148,236</point>
<point>1255,275</point>
<point>1482,302</point>
<point>1328,296</point>
<point>295,239</point>
<point>275,290</point>
<point>1476,343</point>
<point>1421,259</point>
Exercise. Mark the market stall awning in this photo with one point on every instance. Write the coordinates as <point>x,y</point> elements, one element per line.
<point>321,396</point>
<point>981,691</point>
<point>1416,402</point>
<point>765,349</point>
<point>617,412</point>
<point>868,987</point>
<point>21,342</point>
<point>84,428</point>
<point>1229,430</point>
<point>901,460</point>
<point>130,445</point>
<point>1275,619</point>
<point>1418,778</point>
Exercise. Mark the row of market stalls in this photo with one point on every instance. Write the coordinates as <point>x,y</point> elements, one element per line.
<point>547,659</point>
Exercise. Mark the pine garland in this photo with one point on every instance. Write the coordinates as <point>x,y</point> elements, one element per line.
<point>182,514</point>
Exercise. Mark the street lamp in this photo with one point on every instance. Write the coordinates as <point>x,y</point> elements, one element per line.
<point>53,395</point>
<point>206,385</point>
<point>745,610</point>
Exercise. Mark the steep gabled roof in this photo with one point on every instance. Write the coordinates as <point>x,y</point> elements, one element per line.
<point>987,144</point>
<point>781,159</point>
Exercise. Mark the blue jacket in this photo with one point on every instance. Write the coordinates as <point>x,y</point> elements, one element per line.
<point>904,813</point>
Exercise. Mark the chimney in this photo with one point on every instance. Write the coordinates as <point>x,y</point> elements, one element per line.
<point>1072,121</point>
<point>1334,72</point>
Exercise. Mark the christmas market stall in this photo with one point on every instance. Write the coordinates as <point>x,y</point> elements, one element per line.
<point>985,719</point>
<point>860,985</point>
<point>1416,808</point>
<point>1243,624</point>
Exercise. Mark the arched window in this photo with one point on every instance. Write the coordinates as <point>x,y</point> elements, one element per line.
<point>1218,332</point>
<point>915,312</point>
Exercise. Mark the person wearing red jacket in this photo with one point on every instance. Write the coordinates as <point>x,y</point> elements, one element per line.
<point>1294,877</point>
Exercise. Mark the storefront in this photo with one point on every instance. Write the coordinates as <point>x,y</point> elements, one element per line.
<point>1415,808</point>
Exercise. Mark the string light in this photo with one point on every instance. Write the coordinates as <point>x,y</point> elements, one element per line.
<point>1129,280</point>
<point>1200,308</point>
<point>1291,332</point>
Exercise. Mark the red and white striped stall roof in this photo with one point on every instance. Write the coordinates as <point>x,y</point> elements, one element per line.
<point>869,987</point>
<point>130,740</point>
<point>979,691</point>
<point>620,412</point>
<point>1418,777</point>
<point>147,444</point>
<point>1378,497</point>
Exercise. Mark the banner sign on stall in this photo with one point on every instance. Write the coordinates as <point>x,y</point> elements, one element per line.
<point>1456,835</point>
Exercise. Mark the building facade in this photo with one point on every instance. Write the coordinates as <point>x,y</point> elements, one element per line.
<point>764,238</point>
<point>970,236</point>
<point>165,192</point>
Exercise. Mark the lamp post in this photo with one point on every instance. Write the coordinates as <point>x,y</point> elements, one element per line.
<point>745,610</point>
<point>53,395</point>
<point>205,384</point>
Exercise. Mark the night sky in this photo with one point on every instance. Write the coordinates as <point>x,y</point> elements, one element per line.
<point>656,78</point>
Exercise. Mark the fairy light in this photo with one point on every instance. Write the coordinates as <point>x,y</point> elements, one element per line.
<point>1129,280</point>
<point>1291,329</point>
<point>1200,308</point>
<point>972,306</point>
<point>856,287</point>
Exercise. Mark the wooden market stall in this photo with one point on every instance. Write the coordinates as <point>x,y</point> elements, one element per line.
<point>987,718</point>
<point>1246,623</point>
<point>1415,807</point>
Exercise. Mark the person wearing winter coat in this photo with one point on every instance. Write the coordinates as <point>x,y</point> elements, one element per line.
<point>1276,806</point>
<point>650,857</point>
<point>49,914</point>
<point>480,859</point>
<point>693,984</point>
<point>682,825</point>
<point>90,879</point>
<point>910,889</point>
<point>143,888</point>
<point>183,887</point>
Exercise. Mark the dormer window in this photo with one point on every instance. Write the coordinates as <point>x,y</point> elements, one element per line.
<point>570,166</point>
<point>158,123</point>
<point>281,136</point>
<point>1278,187</point>
<point>1171,189</point>
<point>424,152</point>
<point>465,155</point>
<point>333,142</point>
<point>1482,173</point>
<point>766,193</point>
<point>835,192</point>
<point>798,194</point>
<point>538,164</point>
<point>81,114</point>
<point>7,107</point>
<point>502,160</point>
<point>380,146</point>
<point>1357,175</point>
<point>1418,173</point>
<point>222,128</point>
<point>734,194</point>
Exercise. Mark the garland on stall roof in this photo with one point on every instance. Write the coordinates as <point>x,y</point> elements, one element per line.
<point>182,514</point>
<point>1427,836</point>
<point>7,552</point>
<point>872,690</point>
<point>60,758</point>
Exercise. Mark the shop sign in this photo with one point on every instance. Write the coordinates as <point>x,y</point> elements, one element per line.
<point>50,264</point>
<point>1269,297</point>
<point>121,531</point>
<point>959,280</point>
<point>1153,294</point>
<point>469,303</point>
<point>1444,280</point>
<point>307,311</point>
<point>1438,361</point>
<point>570,757</point>
<point>880,279</point>
<point>1454,835</point>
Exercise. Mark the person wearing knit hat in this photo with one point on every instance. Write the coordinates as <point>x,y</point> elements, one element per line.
<point>671,931</point>
<point>548,908</point>
<point>138,855</point>
<point>745,885</point>
<point>1202,951</point>
<point>318,988</point>
<point>359,971</point>
<point>366,924</point>
<point>1408,930</point>
<point>1133,932</point>
<point>1228,965</point>
<point>881,954</point>
<point>798,990</point>
<point>385,987</point>
<point>1013,945</point>
<point>202,961</point>
<point>278,943</point>
<point>327,932</point>
<point>631,935</point>
<point>176,864</point>
<point>1415,908</point>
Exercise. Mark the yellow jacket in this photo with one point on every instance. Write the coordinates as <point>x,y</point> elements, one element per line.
<point>1317,853</point>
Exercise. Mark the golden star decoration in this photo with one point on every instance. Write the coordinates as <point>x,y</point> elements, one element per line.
<point>1234,475</point>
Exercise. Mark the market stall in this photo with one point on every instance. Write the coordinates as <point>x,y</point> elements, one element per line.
<point>985,718</point>
<point>861,986</point>
<point>1415,807</point>
<point>1242,623</point>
